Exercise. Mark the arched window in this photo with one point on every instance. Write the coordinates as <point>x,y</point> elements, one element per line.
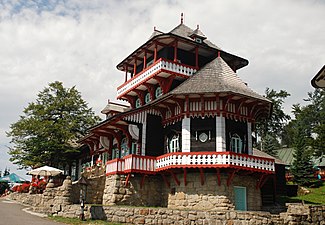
<point>158,92</point>
<point>137,103</point>
<point>236,143</point>
<point>147,98</point>
<point>124,147</point>
<point>173,144</point>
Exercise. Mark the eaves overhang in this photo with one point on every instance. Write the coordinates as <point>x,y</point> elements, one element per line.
<point>242,62</point>
<point>319,80</point>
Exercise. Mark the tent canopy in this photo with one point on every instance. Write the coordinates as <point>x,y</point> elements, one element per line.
<point>12,178</point>
<point>45,171</point>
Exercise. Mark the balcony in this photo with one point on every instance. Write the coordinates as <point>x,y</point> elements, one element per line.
<point>161,65</point>
<point>152,165</point>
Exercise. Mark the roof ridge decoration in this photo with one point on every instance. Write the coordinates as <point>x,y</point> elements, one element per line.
<point>216,77</point>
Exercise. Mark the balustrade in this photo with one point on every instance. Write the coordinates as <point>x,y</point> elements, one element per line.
<point>149,164</point>
<point>160,65</point>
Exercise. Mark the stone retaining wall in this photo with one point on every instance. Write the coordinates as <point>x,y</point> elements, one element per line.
<point>153,191</point>
<point>94,190</point>
<point>147,191</point>
<point>296,214</point>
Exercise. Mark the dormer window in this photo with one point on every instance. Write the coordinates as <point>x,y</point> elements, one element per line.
<point>198,40</point>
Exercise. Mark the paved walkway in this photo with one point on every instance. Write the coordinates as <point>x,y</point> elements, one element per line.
<point>12,213</point>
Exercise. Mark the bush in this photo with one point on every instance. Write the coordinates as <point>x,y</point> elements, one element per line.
<point>3,187</point>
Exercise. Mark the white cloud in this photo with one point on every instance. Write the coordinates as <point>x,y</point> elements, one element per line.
<point>81,42</point>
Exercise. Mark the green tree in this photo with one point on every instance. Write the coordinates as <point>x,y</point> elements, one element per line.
<point>6,172</point>
<point>302,167</point>
<point>270,144</point>
<point>312,116</point>
<point>273,126</point>
<point>48,131</point>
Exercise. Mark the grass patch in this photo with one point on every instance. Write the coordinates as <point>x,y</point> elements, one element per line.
<point>315,197</point>
<point>76,221</point>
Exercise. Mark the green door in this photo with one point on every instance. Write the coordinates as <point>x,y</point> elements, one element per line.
<point>240,198</point>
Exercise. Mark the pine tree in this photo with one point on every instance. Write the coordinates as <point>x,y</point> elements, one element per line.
<point>270,144</point>
<point>302,167</point>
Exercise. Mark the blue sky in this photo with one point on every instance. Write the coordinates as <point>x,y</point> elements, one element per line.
<point>80,42</point>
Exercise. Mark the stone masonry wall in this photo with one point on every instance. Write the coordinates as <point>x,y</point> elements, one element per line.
<point>94,190</point>
<point>296,215</point>
<point>210,195</point>
<point>150,194</point>
<point>193,195</point>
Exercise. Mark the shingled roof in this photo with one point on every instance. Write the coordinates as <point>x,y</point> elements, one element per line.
<point>216,77</point>
<point>184,31</point>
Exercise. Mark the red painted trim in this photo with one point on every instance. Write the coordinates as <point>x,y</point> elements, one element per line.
<point>264,181</point>
<point>155,53</point>
<point>175,178</point>
<point>139,171</point>
<point>215,153</point>
<point>201,176</point>
<point>218,177</point>
<point>151,90</point>
<point>145,60</point>
<point>258,183</point>
<point>142,181</point>
<point>139,156</point>
<point>231,177</point>
<point>127,180</point>
<point>175,51</point>
<point>141,95</point>
<point>187,105</point>
<point>162,70</point>
<point>135,67</point>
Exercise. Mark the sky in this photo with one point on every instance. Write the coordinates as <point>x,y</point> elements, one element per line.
<point>80,42</point>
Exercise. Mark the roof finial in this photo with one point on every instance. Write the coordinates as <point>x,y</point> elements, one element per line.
<point>218,54</point>
<point>154,28</point>
<point>198,26</point>
<point>182,18</point>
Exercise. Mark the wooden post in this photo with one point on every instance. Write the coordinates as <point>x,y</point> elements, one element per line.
<point>155,53</point>
<point>145,60</point>
<point>135,67</point>
<point>175,51</point>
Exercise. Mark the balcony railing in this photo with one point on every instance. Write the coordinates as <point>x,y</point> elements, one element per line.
<point>213,159</point>
<point>151,165</point>
<point>140,164</point>
<point>115,166</point>
<point>159,66</point>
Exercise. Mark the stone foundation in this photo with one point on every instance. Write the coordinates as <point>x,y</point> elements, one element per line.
<point>210,195</point>
<point>155,192</point>
<point>150,194</point>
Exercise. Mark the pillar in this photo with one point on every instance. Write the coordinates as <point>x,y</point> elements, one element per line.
<point>186,134</point>
<point>220,134</point>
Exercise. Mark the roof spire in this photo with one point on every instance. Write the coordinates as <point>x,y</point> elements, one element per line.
<point>154,28</point>
<point>198,26</point>
<point>182,18</point>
